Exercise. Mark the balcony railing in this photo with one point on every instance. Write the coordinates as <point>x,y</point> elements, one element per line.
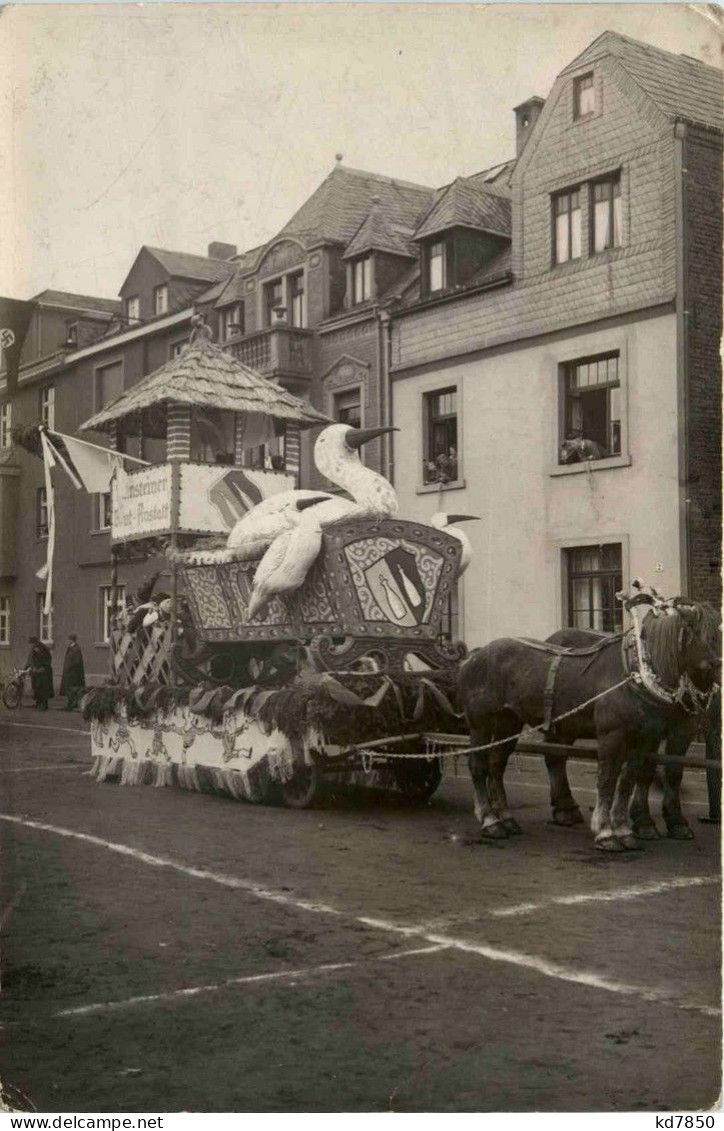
<point>281,351</point>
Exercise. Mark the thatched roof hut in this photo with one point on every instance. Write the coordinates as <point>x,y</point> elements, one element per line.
<point>202,376</point>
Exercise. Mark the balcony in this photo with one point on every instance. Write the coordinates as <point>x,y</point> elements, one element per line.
<point>282,353</point>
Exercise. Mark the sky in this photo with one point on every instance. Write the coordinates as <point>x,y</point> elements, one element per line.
<point>177,124</point>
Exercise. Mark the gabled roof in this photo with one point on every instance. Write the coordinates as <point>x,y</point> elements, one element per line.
<point>181,265</point>
<point>334,212</point>
<point>376,233</point>
<point>233,290</point>
<point>205,375</point>
<point>468,203</point>
<point>683,88</point>
<point>77,302</point>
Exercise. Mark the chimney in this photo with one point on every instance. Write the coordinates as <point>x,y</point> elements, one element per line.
<point>526,116</point>
<point>221,250</point>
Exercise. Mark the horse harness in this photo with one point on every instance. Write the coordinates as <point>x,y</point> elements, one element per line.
<point>557,652</point>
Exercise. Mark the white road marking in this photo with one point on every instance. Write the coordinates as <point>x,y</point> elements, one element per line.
<point>249,979</point>
<point>35,769</point>
<point>44,726</point>
<point>494,954</point>
<point>615,896</point>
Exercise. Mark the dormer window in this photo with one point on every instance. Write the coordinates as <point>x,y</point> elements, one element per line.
<point>160,299</point>
<point>362,279</point>
<point>133,308</point>
<point>436,266</point>
<point>584,96</point>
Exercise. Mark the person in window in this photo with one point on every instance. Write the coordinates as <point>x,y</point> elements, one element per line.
<point>73,679</point>
<point>577,449</point>
<point>40,663</point>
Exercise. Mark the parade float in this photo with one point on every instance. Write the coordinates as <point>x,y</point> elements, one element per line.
<point>299,636</point>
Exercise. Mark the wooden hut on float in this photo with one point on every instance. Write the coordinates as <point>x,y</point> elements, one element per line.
<point>220,438</point>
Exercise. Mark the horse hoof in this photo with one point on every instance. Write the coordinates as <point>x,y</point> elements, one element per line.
<point>646,830</point>
<point>629,842</point>
<point>497,831</point>
<point>609,844</point>
<point>511,826</point>
<point>567,818</point>
<point>679,832</point>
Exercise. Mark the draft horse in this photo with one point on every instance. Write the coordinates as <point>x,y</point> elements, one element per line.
<point>683,726</point>
<point>504,686</point>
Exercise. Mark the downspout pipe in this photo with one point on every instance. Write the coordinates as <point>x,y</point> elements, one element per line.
<point>383,370</point>
<point>682,357</point>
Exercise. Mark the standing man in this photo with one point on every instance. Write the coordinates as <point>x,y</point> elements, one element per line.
<point>73,679</point>
<point>40,663</point>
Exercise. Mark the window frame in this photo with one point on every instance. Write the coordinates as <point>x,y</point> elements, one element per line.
<point>563,354</point>
<point>441,420</point>
<point>98,370</point>
<point>42,529</point>
<point>160,292</point>
<point>348,391</point>
<point>576,190</point>
<point>6,425</point>
<point>578,81</point>
<point>442,243</point>
<point>565,393</point>
<point>231,315</point>
<point>297,300</point>
<point>5,621</point>
<point>612,578</point>
<point>615,181</point>
<point>104,609</point>
<point>175,348</point>
<point>46,406</point>
<point>128,304</point>
<point>364,265</point>
<point>45,623</point>
<point>99,526</point>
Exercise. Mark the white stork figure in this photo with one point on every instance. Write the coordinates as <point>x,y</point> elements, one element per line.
<point>336,457</point>
<point>290,556</point>
<point>286,563</point>
<point>442,521</point>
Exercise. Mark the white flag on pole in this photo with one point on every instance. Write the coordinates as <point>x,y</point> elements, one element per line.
<point>45,573</point>
<point>91,464</point>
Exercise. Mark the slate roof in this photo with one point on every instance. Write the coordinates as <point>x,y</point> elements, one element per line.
<point>468,203</point>
<point>181,265</point>
<point>683,88</point>
<point>79,302</point>
<point>377,233</point>
<point>204,374</point>
<point>334,212</point>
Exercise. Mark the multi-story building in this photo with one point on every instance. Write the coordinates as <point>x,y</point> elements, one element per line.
<point>544,334</point>
<point>567,390</point>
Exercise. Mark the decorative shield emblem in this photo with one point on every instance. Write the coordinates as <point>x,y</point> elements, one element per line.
<point>397,588</point>
<point>234,495</point>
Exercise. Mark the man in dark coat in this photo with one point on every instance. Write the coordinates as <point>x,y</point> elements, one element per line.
<point>73,679</point>
<point>40,663</point>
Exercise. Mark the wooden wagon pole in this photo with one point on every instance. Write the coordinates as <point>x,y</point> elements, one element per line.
<point>582,753</point>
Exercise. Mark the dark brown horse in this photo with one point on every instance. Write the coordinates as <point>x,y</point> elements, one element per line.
<point>502,687</point>
<point>683,727</point>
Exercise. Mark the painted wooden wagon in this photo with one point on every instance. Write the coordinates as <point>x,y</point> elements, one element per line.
<point>336,680</point>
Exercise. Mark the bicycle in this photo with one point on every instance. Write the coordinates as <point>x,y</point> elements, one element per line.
<point>13,689</point>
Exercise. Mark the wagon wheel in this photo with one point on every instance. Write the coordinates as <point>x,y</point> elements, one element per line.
<point>301,789</point>
<point>417,778</point>
<point>12,693</point>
